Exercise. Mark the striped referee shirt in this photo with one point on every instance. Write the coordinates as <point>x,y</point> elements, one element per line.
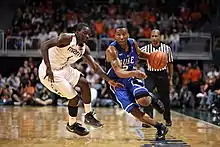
<point>164,48</point>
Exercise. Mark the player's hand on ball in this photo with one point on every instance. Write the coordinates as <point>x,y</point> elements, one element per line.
<point>140,75</point>
<point>115,84</point>
<point>49,73</point>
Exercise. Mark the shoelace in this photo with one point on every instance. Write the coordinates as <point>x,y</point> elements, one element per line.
<point>93,112</point>
<point>78,124</point>
<point>92,115</point>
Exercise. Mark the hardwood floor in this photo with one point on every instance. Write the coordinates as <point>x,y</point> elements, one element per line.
<point>45,127</point>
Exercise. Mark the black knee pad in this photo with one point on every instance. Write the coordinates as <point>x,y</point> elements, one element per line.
<point>154,98</point>
<point>141,94</point>
<point>157,104</point>
<point>73,110</point>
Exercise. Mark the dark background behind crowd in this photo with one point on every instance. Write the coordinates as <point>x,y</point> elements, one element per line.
<point>37,21</point>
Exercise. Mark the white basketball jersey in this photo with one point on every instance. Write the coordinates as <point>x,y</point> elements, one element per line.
<point>62,56</point>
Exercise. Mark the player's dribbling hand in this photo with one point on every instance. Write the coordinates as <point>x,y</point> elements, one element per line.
<point>115,84</point>
<point>49,73</point>
<point>140,75</point>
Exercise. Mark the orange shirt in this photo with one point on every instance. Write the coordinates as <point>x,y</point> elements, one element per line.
<point>195,75</point>
<point>152,19</point>
<point>147,32</point>
<point>186,78</point>
<point>30,90</point>
<point>99,26</point>
<point>196,15</point>
<point>111,33</point>
<point>145,15</point>
<point>69,15</point>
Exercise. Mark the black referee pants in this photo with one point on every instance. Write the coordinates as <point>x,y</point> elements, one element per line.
<point>159,80</point>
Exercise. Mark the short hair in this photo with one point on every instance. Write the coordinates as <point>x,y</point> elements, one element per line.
<point>80,26</point>
<point>120,27</point>
<point>156,31</point>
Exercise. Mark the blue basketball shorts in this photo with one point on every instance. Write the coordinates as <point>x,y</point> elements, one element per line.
<point>126,97</point>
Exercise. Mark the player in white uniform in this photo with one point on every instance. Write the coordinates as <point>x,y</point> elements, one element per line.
<point>59,77</point>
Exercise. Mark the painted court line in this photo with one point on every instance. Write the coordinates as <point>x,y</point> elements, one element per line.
<point>199,120</point>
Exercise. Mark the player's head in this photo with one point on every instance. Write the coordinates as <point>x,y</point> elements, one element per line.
<point>155,36</point>
<point>83,31</point>
<point>121,35</point>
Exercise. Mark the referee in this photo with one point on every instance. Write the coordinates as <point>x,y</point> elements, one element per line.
<point>159,78</point>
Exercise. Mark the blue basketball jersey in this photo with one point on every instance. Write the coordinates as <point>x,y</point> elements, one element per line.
<point>128,60</point>
<point>133,88</point>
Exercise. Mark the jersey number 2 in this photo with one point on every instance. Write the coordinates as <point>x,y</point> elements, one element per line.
<point>125,67</point>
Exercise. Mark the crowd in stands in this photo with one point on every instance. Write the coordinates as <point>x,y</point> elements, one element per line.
<point>196,89</point>
<point>40,20</point>
<point>24,87</point>
<point>192,87</point>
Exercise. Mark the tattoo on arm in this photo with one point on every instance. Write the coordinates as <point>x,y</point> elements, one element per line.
<point>115,64</point>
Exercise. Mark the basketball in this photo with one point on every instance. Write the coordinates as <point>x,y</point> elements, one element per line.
<point>158,60</point>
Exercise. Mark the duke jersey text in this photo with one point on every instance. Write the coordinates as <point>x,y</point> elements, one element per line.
<point>128,59</point>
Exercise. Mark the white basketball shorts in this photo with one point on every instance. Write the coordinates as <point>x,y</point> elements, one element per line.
<point>65,80</point>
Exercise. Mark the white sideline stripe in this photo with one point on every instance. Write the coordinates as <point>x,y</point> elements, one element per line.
<point>199,120</point>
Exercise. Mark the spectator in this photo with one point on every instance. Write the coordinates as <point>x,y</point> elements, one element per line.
<point>164,21</point>
<point>71,18</point>
<point>43,36</point>
<point>5,95</point>
<point>37,19</point>
<point>120,21</point>
<point>13,81</point>
<point>28,42</point>
<point>27,93</point>
<point>186,97</point>
<point>195,77</point>
<point>213,72</point>
<point>165,37</point>
<point>99,26</point>
<point>52,34</point>
<point>174,98</point>
<point>209,94</point>
<point>147,31</point>
<point>175,40</point>
<point>185,76</point>
<point>42,95</point>
<point>203,96</point>
<point>2,81</point>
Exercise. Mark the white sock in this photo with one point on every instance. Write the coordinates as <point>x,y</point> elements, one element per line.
<point>87,108</point>
<point>72,120</point>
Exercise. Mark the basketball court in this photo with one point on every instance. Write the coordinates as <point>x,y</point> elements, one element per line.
<point>45,127</point>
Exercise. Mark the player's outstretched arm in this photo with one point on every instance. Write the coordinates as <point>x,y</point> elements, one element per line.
<point>141,54</point>
<point>61,41</point>
<point>112,57</point>
<point>98,69</point>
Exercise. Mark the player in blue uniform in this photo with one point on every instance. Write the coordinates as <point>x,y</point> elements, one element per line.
<point>123,54</point>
